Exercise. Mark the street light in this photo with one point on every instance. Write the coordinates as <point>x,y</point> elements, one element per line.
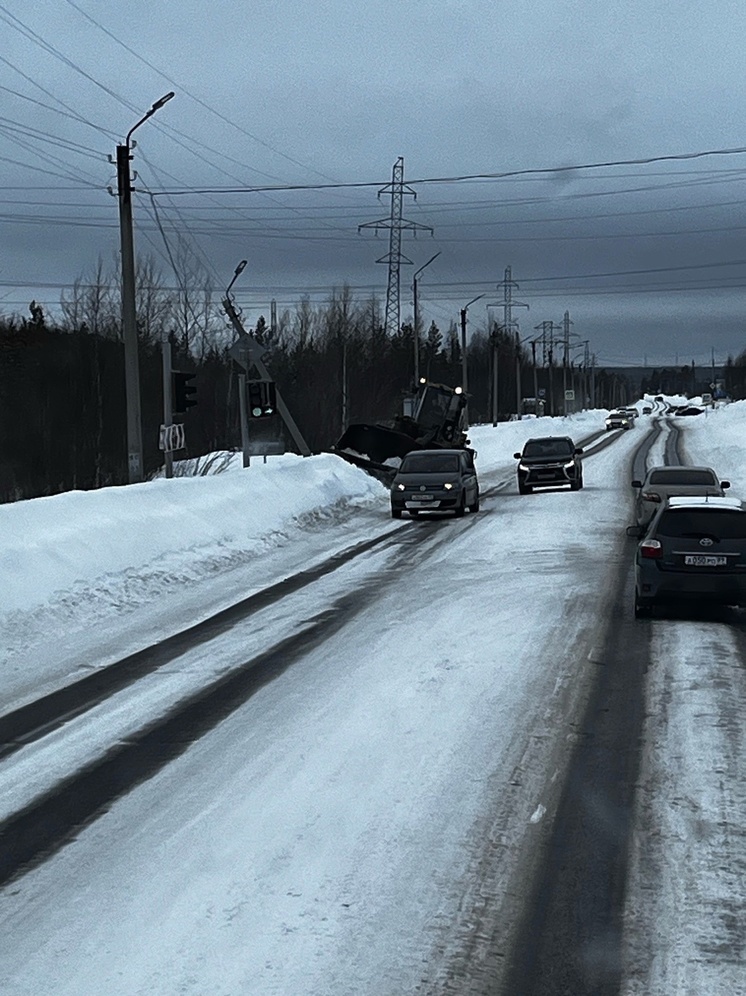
<point>417,318</point>
<point>129,320</point>
<point>464,371</point>
<point>237,273</point>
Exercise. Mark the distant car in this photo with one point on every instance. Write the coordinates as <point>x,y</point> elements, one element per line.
<point>619,420</point>
<point>695,551</point>
<point>548,461</point>
<point>435,481</point>
<point>647,410</point>
<point>689,410</point>
<point>661,483</point>
<point>631,410</point>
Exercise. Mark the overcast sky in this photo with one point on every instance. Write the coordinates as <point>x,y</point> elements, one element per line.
<point>291,93</point>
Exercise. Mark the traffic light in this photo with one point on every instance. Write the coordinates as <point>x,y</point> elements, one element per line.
<point>181,390</point>
<point>262,398</point>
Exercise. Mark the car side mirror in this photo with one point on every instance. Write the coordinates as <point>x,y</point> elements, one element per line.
<point>578,451</point>
<point>724,485</point>
<point>516,456</point>
<point>637,484</point>
<point>636,531</point>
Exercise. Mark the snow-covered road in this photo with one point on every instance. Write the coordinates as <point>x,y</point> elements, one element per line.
<point>368,821</point>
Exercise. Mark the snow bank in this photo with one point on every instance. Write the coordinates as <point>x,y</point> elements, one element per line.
<point>49,544</point>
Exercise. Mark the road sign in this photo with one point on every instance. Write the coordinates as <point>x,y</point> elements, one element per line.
<point>246,350</point>
<point>569,395</point>
<point>171,438</point>
<point>542,392</point>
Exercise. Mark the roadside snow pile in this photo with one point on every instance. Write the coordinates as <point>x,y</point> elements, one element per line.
<point>716,439</point>
<point>50,544</point>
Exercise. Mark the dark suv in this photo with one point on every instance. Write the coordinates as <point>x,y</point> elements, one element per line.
<point>694,550</point>
<point>549,461</point>
<point>435,481</point>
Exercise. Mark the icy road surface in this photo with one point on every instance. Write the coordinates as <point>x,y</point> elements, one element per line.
<point>330,835</point>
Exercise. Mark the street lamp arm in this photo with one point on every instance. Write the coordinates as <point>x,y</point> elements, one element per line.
<point>467,306</point>
<point>418,272</point>
<point>239,270</point>
<point>156,107</point>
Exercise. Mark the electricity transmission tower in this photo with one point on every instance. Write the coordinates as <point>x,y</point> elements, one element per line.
<point>510,324</point>
<point>395,225</point>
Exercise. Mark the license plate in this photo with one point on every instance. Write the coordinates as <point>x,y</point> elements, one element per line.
<point>422,503</point>
<point>698,560</point>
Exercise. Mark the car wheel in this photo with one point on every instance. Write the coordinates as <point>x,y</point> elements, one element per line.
<point>461,507</point>
<point>415,515</point>
<point>524,489</point>
<point>474,507</point>
<point>396,513</point>
<point>643,608</point>
<point>575,485</point>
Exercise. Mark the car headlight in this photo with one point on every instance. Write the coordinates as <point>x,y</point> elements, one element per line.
<point>522,466</point>
<point>570,465</point>
<point>448,486</point>
<point>401,487</point>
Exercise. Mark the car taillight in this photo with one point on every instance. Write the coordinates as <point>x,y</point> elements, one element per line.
<point>651,496</point>
<point>651,548</point>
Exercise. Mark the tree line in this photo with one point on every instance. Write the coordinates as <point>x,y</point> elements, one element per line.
<point>62,394</point>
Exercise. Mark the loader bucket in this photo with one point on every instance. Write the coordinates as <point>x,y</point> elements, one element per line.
<point>376,443</point>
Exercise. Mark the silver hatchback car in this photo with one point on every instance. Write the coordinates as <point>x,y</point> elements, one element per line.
<point>435,481</point>
<point>661,483</point>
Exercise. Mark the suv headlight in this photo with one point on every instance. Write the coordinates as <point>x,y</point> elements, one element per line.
<point>569,465</point>
<point>522,466</point>
<point>401,487</point>
<point>448,486</point>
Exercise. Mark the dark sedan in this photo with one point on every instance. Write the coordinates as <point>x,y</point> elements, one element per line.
<point>435,481</point>
<point>694,551</point>
<point>549,461</point>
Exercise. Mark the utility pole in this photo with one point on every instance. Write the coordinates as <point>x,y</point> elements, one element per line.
<point>416,300</point>
<point>464,369</point>
<point>395,225</point>
<point>566,323</point>
<point>547,354</point>
<point>129,317</point>
<point>536,377</point>
<point>168,416</point>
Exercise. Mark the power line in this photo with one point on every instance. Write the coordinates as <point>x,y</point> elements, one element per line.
<point>192,95</point>
<point>460,178</point>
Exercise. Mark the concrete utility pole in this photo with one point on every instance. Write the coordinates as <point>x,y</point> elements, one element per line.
<point>129,317</point>
<point>395,225</point>
<point>547,354</point>
<point>168,415</point>
<point>464,368</point>
<point>566,323</point>
<point>417,323</point>
<point>242,398</point>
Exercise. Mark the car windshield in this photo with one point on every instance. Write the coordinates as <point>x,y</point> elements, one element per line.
<point>430,463</point>
<point>694,522</point>
<point>548,448</point>
<point>685,477</point>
